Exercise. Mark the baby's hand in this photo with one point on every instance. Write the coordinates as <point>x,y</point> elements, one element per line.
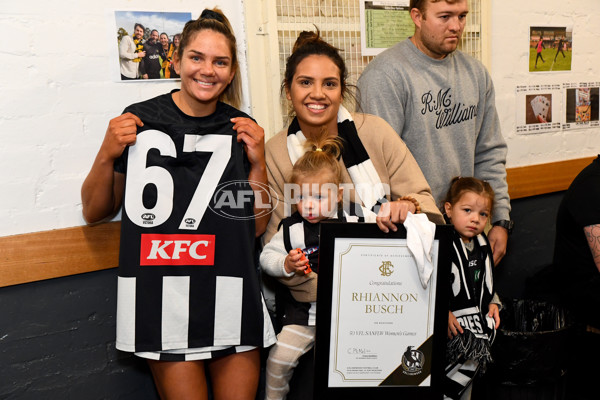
<point>453,326</point>
<point>296,262</point>
<point>494,312</point>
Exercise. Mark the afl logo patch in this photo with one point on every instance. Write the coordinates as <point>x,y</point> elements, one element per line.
<point>148,218</point>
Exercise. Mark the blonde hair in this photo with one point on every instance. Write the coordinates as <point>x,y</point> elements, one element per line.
<point>322,154</point>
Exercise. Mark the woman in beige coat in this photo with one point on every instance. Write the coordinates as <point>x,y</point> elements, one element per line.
<point>379,170</point>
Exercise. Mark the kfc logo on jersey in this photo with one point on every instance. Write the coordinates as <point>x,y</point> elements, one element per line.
<point>159,249</point>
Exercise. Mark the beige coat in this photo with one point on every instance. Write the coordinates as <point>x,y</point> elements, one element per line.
<point>393,162</point>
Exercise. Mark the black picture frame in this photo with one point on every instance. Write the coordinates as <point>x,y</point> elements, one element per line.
<point>328,234</point>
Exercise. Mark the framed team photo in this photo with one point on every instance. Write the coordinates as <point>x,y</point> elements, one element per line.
<point>380,332</point>
<point>146,42</point>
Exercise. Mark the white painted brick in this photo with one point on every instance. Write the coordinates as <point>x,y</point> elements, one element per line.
<point>28,132</point>
<point>510,63</point>
<point>26,101</point>
<point>59,190</point>
<point>20,34</point>
<point>26,221</point>
<point>23,165</point>
<point>58,97</point>
<point>74,160</point>
<point>18,195</point>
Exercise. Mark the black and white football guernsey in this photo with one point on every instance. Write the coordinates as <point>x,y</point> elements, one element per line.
<point>187,277</point>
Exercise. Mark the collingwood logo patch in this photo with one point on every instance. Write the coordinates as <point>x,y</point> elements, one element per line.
<point>386,268</point>
<point>412,361</point>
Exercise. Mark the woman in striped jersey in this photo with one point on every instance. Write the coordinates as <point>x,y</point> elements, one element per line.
<point>189,297</point>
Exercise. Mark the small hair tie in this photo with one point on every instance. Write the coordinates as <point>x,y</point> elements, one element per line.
<point>210,14</point>
<point>318,149</point>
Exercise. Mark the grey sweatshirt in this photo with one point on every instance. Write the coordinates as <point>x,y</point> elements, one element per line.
<point>445,112</point>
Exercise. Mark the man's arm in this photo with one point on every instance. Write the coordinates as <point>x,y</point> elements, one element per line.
<point>592,234</point>
<point>127,48</point>
<point>498,237</point>
<point>490,153</point>
<point>490,165</point>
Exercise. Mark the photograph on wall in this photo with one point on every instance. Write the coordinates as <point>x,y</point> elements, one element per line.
<point>538,108</point>
<point>581,106</point>
<point>383,24</point>
<point>146,44</point>
<point>550,48</point>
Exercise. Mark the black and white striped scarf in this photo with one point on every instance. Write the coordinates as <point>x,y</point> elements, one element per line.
<point>468,353</point>
<point>367,185</point>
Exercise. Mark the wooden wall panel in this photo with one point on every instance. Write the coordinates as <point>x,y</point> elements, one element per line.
<point>543,178</point>
<point>51,254</point>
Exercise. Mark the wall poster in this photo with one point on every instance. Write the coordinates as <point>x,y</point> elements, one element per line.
<point>538,108</point>
<point>581,105</point>
<point>383,24</point>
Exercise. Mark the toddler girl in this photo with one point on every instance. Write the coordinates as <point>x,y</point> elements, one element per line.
<point>474,313</point>
<point>292,254</point>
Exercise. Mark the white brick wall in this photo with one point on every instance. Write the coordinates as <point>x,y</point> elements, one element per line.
<point>56,98</point>
<point>511,20</point>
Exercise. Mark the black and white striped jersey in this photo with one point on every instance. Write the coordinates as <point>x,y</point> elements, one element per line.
<point>187,276</point>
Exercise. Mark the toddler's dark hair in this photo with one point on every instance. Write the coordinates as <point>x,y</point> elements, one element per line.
<point>460,185</point>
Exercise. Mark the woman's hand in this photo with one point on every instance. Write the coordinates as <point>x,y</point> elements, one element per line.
<point>102,190</point>
<point>294,262</point>
<point>393,212</point>
<point>121,132</point>
<point>253,137</point>
<point>454,327</point>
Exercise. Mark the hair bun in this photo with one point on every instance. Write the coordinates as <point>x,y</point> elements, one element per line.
<point>211,14</point>
<point>306,37</point>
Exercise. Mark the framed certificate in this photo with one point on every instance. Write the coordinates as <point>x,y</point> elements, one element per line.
<point>379,331</point>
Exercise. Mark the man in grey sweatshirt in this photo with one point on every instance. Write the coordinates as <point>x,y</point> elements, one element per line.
<point>441,103</point>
